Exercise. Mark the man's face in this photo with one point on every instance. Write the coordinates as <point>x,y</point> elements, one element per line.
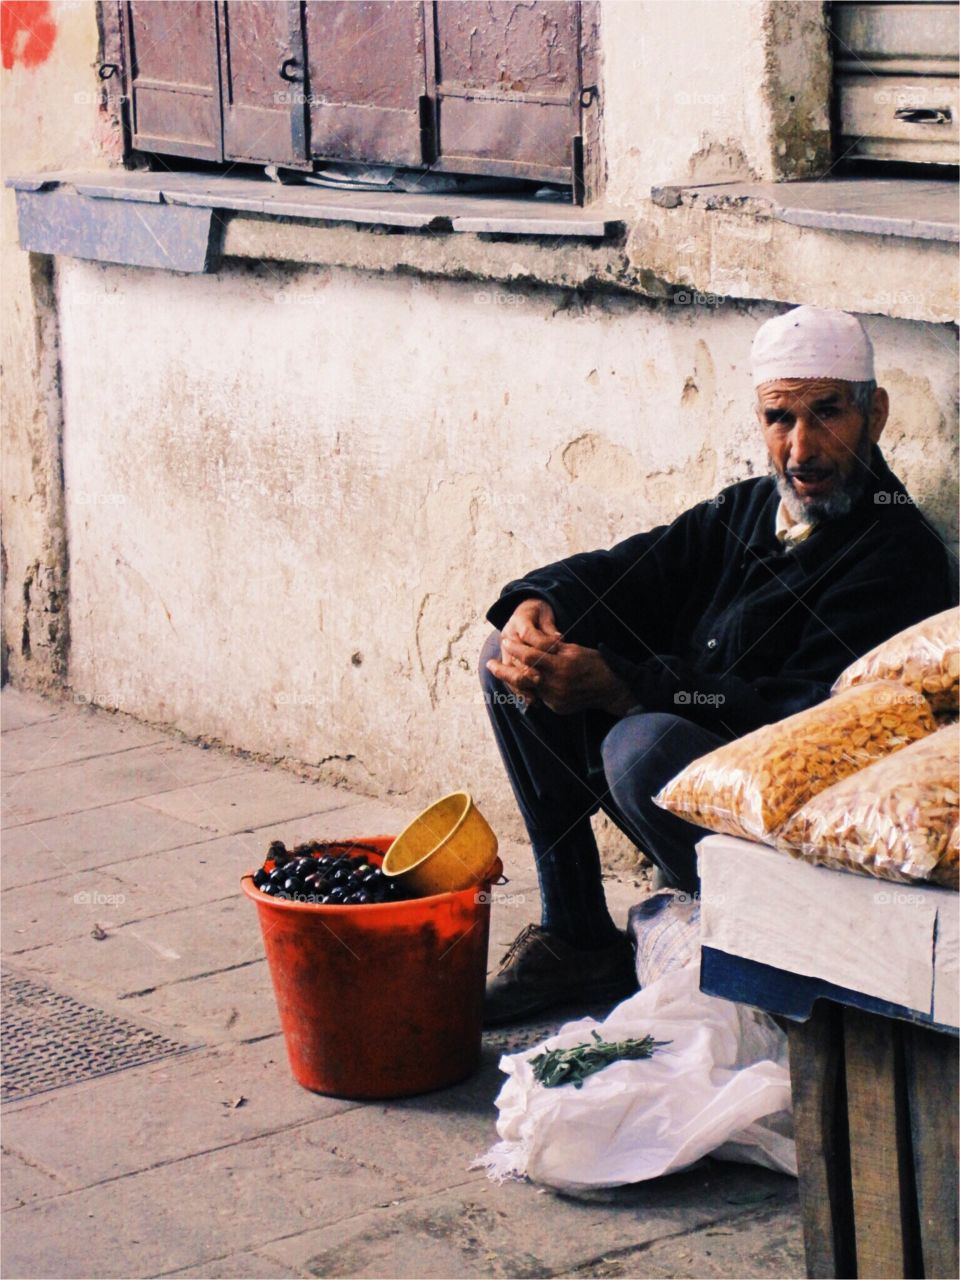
<point>818,443</point>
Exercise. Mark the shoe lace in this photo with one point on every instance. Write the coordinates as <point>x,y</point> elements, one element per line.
<point>519,944</point>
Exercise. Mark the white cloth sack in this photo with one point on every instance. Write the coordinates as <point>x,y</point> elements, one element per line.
<point>724,1072</point>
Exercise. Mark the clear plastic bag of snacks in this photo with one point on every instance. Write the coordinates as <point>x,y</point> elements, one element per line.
<point>925,656</point>
<point>751,786</point>
<point>896,820</point>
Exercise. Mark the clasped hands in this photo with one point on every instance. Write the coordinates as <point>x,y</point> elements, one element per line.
<point>537,665</point>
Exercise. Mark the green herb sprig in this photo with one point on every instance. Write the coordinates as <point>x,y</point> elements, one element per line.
<point>555,1067</point>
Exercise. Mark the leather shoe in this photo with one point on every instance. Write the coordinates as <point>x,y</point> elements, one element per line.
<point>540,970</point>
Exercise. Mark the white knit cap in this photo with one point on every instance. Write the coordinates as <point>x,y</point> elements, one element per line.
<point>812,342</point>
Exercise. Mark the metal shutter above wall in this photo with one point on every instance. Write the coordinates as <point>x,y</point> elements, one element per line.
<point>367,80</point>
<point>174,77</point>
<point>896,71</point>
<point>262,81</point>
<point>506,86</point>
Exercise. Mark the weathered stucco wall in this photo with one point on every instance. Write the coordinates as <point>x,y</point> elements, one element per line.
<point>709,92</point>
<point>49,119</point>
<point>286,494</point>
<point>292,493</point>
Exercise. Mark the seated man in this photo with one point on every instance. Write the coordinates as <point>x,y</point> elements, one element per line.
<point>614,669</point>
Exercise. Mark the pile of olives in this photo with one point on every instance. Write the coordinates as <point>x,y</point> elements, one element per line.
<point>328,873</point>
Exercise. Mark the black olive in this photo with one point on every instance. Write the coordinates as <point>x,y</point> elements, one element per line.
<point>336,894</point>
<point>362,897</point>
<point>277,876</point>
<point>260,877</point>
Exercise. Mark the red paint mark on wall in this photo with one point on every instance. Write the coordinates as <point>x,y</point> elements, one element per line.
<point>27,32</point>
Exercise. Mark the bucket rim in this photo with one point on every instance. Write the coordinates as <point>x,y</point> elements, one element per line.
<point>252,892</point>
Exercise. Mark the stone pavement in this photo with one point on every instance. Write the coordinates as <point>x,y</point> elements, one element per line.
<point>122,854</point>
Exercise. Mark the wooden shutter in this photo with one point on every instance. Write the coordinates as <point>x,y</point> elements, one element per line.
<point>367,78</point>
<point>173,77</point>
<point>262,78</point>
<point>506,86</point>
<point>896,72</point>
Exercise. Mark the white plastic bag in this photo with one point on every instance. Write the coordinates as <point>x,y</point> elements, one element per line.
<point>664,931</point>
<point>723,1073</point>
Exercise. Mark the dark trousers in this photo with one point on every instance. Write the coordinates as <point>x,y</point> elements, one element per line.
<point>563,769</point>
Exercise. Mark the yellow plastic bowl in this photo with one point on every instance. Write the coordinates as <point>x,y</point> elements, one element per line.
<point>449,846</point>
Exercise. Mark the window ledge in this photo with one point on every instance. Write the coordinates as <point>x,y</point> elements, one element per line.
<point>877,246</point>
<point>917,209</point>
<point>117,214</point>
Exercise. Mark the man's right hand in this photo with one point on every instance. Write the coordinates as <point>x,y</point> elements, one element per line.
<point>532,623</point>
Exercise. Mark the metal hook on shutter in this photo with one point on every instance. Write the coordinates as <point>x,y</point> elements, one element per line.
<point>923,115</point>
<point>107,69</point>
<point>289,72</point>
<point>588,94</point>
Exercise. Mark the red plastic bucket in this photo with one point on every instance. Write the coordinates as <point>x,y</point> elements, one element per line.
<point>382,1000</point>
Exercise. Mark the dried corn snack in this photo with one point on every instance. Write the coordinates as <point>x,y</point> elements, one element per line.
<point>749,787</point>
<point>896,820</point>
<point>925,656</point>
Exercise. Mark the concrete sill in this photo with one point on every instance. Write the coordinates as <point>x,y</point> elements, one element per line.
<point>917,209</point>
<point>174,220</point>
<point>877,246</point>
<point>873,246</point>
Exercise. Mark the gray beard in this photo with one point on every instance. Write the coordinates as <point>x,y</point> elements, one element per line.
<point>840,502</point>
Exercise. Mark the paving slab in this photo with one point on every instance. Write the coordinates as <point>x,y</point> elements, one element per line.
<point>153,1171</point>
<point>358,817</point>
<point>107,779</point>
<point>205,1206</point>
<point>160,1113</point>
<point>21,708</point>
<point>237,803</point>
<point>132,829</point>
<point>237,1266</point>
<point>233,1005</point>
<point>67,738</point>
<point>766,1243</point>
<point>514,1230</point>
<point>24,1182</point>
<point>65,908</point>
<point>205,870</point>
<point>38,852</point>
<point>179,944</point>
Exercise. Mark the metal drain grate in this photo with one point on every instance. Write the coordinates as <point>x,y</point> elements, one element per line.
<point>517,1039</point>
<point>51,1040</point>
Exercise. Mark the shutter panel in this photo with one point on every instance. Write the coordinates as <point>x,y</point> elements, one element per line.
<point>896,70</point>
<point>507,87</point>
<point>366,75</point>
<point>173,77</point>
<point>262,77</point>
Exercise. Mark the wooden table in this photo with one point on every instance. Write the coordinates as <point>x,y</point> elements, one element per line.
<point>874,1079</point>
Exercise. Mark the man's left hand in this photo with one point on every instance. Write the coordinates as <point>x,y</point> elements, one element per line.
<point>572,678</point>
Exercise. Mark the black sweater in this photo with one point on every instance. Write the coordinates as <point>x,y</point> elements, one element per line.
<point>711,618</point>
